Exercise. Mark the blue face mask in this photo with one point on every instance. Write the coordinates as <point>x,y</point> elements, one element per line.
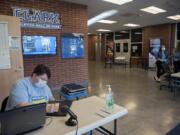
<point>41,83</point>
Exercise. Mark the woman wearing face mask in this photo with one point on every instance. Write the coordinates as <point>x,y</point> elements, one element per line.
<point>31,90</point>
<point>162,62</point>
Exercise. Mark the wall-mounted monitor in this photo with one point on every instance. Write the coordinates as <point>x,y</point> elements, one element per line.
<point>39,45</point>
<point>72,46</point>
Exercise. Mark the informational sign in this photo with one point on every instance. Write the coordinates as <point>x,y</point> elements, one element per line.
<point>32,18</point>
<point>153,51</point>
<point>15,43</point>
<point>5,62</point>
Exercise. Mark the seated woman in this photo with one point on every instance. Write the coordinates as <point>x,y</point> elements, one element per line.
<point>176,61</point>
<point>162,63</point>
<point>31,90</point>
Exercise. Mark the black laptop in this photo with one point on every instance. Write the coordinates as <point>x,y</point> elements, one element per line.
<point>23,119</point>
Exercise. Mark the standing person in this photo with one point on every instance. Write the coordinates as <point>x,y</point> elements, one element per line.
<point>109,56</point>
<point>162,63</point>
<point>176,60</point>
<point>31,90</point>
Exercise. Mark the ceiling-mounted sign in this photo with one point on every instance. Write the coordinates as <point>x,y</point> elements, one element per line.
<point>32,18</point>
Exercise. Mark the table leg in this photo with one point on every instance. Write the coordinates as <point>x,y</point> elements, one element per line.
<point>115,127</point>
<point>91,132</point>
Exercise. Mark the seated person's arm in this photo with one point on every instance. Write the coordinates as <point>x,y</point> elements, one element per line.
<point>50,95</point>
<point>19,96</point>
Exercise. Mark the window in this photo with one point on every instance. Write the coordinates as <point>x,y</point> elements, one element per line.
<point>136,35</point>
<point>122,35</point>
<point>125,47</point>
<point>118,47</point>
<point>136,49</point>
<point>136,42</point>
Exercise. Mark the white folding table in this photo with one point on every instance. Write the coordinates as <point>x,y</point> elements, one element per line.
<point>91,115</point>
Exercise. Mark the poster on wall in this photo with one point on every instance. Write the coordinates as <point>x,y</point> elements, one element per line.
<point>154,47</point>
<point>33,18</point>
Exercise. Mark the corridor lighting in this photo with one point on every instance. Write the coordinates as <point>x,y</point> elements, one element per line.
<point>153,10</point>
<point>138,33</point>
<point>103,30</point>
<point>131,25</point>
<point>107,21</point>
<point>101,16</point>
<point>118,2</point>
<point>174,17</point>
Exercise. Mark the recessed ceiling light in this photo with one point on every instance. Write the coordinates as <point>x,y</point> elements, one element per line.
<point>153,10</point>
<point>174,17</point>
<point>103,30</point>
<point>107,21</point>
<point>118,2</point>
<point>102,16</point>
<point>131,25</point>
<point>124,31</point>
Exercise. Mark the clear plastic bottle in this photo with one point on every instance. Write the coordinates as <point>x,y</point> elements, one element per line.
<point>109,98</point>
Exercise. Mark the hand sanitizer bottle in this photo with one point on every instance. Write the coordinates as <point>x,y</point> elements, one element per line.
<point>109,98</point>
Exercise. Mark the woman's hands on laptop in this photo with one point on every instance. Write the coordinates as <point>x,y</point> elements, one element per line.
<point>52,107</point>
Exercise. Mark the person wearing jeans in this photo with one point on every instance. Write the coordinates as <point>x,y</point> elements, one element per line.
<point>162,63</point>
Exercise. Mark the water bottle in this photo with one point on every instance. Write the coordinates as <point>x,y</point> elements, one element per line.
<point>109,98</point>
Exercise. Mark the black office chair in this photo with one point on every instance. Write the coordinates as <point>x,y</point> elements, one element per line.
<point>4,103</point>
<point>166,83</point>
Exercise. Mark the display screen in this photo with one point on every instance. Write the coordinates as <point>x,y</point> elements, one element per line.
<point>39,45</point>
<point>72,46</point>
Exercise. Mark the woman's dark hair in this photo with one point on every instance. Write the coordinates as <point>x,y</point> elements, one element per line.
<point>41,70</point>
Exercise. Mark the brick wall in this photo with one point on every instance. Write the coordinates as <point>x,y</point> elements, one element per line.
<point>73,19</point>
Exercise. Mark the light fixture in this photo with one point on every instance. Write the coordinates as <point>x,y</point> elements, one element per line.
<point>101,16</point>
<point>174,17</point>
<point>131,25</point>
<point>107,21</point>
<point>118,2</point>
<point>103,30</point>
<point>124,31</point>
<point>153,10</point>
<point>138,33</point>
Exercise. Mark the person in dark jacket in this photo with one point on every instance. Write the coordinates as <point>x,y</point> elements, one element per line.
<point>162,63</point>
<point>176,60</point>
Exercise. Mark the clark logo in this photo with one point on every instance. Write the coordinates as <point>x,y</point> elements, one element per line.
<point>32,18</point>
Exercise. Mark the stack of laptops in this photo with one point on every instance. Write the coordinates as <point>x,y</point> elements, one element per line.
<point>72,88</point>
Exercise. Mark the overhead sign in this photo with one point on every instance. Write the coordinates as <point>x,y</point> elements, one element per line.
<point>32,18</point>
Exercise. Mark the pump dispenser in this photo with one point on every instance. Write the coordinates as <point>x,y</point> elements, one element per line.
<point>109,98</point>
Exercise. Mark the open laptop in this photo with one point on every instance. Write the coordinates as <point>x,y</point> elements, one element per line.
<point>58,105</point>
<point>23,119</point>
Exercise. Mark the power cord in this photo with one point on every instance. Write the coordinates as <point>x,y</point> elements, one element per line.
<point>77,127</point>
<point>50,121</point>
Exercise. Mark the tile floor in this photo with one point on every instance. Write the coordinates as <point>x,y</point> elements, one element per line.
<point>151,111</point>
